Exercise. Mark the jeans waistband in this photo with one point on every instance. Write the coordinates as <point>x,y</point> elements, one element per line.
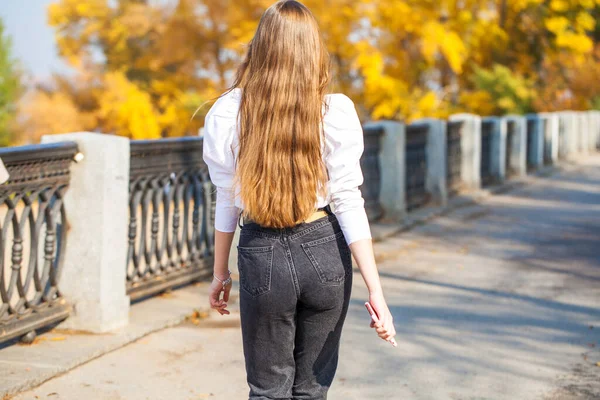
<point>293,230</point>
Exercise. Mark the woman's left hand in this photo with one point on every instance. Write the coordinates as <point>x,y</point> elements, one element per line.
<point>216,302</point>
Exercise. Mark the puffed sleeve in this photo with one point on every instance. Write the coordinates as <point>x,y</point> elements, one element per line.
<point>217,154</point>
<point>344,145</point>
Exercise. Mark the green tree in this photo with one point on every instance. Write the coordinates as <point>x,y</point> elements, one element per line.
<point>512,93</point>
<point>10,88</point>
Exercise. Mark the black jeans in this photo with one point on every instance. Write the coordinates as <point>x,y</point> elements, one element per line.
<point>295,286</point>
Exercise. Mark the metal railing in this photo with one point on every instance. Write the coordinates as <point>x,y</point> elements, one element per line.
<point>34,236</point>
<point>487,130</point>
<point>532,126</point>
<point>453,156</point>
<point>369,163</point>
<point>171,216</point>
<point>416,166</point>
<point>511,136</point>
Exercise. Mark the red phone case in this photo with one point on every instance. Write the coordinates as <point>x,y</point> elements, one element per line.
<point>371,310</point>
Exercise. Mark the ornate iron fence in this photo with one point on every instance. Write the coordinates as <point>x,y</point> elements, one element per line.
<point>454,156</point>
<point>34,235</point>
<point>416,166</point>
<point>487,130</point>
<point>511,136</point>
<point>371,187</point>
<point>532,126</point>
<point>171,216</point>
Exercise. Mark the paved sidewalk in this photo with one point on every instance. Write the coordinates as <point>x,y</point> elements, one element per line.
<point>499,300</point>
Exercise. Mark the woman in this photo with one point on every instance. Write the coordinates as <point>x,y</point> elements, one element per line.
<point>284,157</point>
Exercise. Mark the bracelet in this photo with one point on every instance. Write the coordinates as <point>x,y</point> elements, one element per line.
<point>226,281</point>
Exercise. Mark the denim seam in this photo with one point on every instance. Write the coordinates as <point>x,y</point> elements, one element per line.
<point>290,261</point>
<point>328,219</point>
<point>310,229</point>
<point>323,240</point>
<point>261,249</point>
<point>257,233</point>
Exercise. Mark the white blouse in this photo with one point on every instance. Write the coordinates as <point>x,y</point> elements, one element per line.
<point>342,149</point>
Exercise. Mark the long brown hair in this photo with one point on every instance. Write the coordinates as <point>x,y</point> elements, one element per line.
<point>284,78</point>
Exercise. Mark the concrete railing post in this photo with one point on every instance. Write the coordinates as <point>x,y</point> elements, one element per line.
<point>93,275</point>
<point>551,136</point>
<point>567,134</point>
<point>393,164</point>
<point>517,156</point>
<point>583,136</point>
<point>470,145</point>
<point>497,155</point>
<point>535,152</point>
<point>435,179</point>
<point>594,127</point>
<point>590,131</point>
<point>576,135</point>
<point>595,130</point>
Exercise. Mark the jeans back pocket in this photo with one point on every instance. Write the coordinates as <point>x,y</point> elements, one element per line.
<point>331,258</point>
<point>255,265</point>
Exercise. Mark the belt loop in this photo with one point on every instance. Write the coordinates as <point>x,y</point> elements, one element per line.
<point>240,219</point>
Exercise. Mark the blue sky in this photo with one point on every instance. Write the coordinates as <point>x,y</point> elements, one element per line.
<point>33,40</point>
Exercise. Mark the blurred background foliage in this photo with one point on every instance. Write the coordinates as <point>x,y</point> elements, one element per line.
<point>10,90</point>
<point>144,67</point>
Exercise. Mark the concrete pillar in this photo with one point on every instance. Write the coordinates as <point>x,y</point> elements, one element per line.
<point>435,180</point>
<point>590,131</point>
<point>595,129</point>
<point>576,134</point>
<point>497,153</point>
<point>517,156</point>
<point>567,134</point>
<point>93,276</point>
<point>470,149</point>
<point>584,138</point>
<point>393,164</point>
<point>3,173</point>
<point>535,128</point>
<point>551,135</point>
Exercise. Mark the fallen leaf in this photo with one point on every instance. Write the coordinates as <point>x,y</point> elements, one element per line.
<point>37,340</point>
<point>196,316</point>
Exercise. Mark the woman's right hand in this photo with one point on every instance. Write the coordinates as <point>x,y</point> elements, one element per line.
<point>385,324</point>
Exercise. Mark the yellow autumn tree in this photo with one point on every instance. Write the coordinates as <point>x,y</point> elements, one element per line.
<point>144,67</point>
